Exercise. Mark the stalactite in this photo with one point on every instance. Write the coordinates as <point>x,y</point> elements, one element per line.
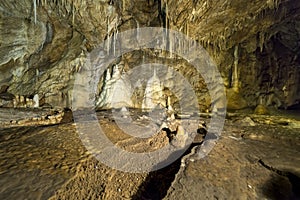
<point>115,39</point>
<point>117,33</point>
<point>273,4</point>
<point>34,8</point>
<point>167,27</point>
<point>181,46</point>
<point>138,29</point>
<point>261,41</point>
<point>187,29</point>
<point>235,78</point>
<point>68,8</point>
<point>108,36</point>
<point>73,13</point>
<point>159,10</point>
<point>167,16</point>
<point>170,46</point>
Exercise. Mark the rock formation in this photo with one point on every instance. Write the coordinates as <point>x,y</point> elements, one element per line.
<point>254,44</point>
<point>153,96</point>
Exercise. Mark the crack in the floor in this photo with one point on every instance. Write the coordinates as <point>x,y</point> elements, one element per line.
<point>294,179</point>
<point>159,182</point>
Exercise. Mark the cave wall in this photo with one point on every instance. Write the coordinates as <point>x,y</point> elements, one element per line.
<point>44,44</point>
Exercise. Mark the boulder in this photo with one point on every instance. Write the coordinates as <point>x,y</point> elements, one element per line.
<point>235,101</point>
<point>261,110</point>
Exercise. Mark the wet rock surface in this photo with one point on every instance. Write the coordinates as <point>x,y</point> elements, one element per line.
<point>257,159</point>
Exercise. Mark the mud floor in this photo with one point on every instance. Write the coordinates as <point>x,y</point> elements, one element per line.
<point>256,157</point>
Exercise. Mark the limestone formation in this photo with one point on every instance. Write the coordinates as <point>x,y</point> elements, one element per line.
<point>36,101</point>
<point>44,45</point>
<point>153,95</point>
<point>261,110</point>
<point>116,91</point>
<point>235,101</point>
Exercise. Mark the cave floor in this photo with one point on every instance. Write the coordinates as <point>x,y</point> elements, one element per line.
<point>256,157</point>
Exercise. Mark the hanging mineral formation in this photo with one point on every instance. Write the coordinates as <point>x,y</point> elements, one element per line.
<point>108,36</point>
<point>34,8</point>
<point>115,38</point>
<point>235,79</point>
<point>73,13</point>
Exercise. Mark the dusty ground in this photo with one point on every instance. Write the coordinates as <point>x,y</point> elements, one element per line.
<point>254,159</point>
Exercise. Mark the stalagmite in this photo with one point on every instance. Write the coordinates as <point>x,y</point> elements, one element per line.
<point>108,75</point>
<point>169,104</point>
<point>116,72</point>
<point>116,91</point>
<point>14,103</point>
<point>235,79</point>
<point>124,109</point>
<point>170,110</point>
<point>143,58</point>
<point>22,102</point>
<point>260,100</point>
<point>36,101</point>
<point>137,31</point>
<point>153,93</point>
<point>180,130</point>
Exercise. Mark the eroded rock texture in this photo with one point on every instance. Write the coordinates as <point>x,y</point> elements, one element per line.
<point>255,44</point>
